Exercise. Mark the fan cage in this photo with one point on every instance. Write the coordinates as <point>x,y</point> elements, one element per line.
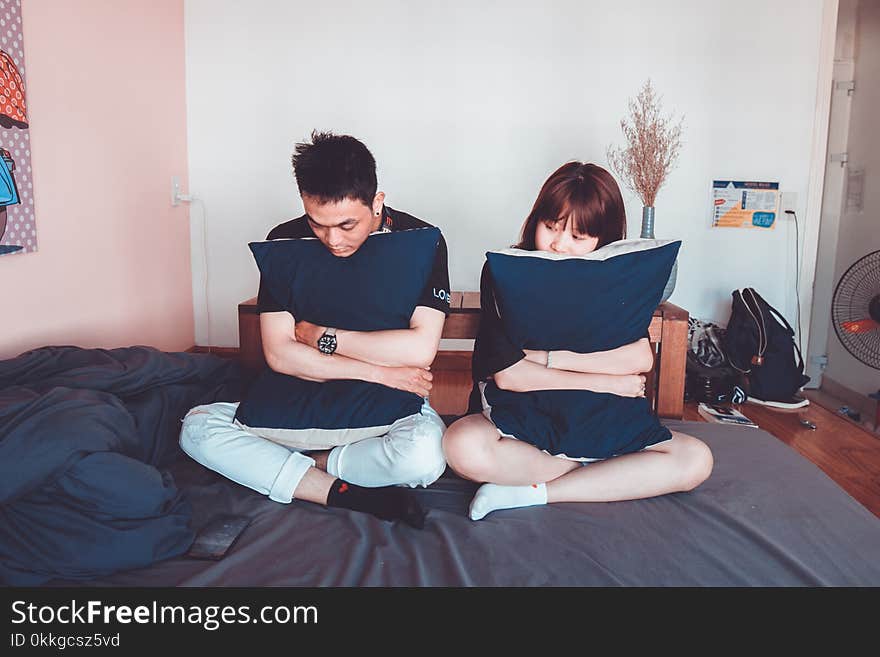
<point>856,292</point>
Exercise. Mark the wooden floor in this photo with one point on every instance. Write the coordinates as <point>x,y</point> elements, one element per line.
<point>847,453</point>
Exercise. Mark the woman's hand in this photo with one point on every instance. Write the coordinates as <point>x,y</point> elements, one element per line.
<point>308,333</point>
<point>409,379</point>
<point>628,385</point>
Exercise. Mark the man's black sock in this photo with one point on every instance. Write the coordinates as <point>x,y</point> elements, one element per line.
<point>387,503</point>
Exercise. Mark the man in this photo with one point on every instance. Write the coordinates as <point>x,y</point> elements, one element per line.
<point>336,176</point>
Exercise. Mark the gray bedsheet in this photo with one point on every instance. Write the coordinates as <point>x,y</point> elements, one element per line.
<point>766,517</point>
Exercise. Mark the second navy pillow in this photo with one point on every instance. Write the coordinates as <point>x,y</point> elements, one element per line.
<point>589,303</point>
<point>584,304</point>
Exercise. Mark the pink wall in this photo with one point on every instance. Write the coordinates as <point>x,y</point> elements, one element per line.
<point>107,105</point>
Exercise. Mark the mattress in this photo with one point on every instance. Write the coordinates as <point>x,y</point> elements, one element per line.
<point>766,517</point>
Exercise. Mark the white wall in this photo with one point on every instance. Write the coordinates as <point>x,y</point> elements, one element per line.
<point>859,233</point>
<point>469,106</point>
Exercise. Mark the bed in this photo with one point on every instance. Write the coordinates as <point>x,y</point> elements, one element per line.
<point>765,517</point>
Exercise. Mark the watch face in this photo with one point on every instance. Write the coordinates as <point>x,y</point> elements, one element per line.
<point>327,344</point>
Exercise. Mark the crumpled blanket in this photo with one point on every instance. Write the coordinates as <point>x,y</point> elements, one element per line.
<point>84,435</point>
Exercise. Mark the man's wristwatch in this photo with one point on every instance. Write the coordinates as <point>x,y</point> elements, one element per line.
<point>327,342</point>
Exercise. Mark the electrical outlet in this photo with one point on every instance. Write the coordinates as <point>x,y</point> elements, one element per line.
<point>789,202</point>
<point>175,191</point>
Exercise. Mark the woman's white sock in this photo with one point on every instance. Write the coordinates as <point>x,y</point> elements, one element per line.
<point>492,497</point>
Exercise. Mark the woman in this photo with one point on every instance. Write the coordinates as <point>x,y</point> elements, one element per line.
<point>578,210</point>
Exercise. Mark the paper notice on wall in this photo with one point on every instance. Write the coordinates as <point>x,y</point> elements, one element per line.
<point>744,204</point>
<point>855,189</point>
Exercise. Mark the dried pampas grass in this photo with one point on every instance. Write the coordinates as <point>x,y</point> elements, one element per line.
<point>653,145</point>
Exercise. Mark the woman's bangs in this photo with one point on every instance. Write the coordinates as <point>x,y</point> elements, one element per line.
<point>585,217</point>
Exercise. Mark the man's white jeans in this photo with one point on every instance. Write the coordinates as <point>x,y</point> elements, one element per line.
<point>410,454</point>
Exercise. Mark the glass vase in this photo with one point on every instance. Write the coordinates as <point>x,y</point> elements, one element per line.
<point>648,234</point>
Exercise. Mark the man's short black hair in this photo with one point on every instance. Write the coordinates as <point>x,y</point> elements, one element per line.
<point>333,168</point>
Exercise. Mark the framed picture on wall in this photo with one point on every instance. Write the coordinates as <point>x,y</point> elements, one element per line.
<point>18,230</point>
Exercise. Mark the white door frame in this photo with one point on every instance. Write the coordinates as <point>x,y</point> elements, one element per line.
<point>833,201</point>
<point>818,159</point>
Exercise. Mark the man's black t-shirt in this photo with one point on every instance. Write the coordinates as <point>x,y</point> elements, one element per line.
<point>436,292</point>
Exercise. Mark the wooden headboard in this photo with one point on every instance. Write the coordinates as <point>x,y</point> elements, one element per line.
<point>668,333</point>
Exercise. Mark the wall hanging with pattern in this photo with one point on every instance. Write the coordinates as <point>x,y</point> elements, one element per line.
<point>18,230</point>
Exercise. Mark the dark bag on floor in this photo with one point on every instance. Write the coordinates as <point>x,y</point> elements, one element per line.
<point>760,344</point>
<point>712,385</point>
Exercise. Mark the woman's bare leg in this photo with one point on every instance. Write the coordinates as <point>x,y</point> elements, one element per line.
<point>677,465</point>
<point>518,471</point>
<point>475,450</point>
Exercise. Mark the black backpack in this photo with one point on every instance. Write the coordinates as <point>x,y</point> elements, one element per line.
<point>760,344</point>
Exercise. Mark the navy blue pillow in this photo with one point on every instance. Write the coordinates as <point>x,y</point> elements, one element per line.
<point>576,424</point>
<point>584,304</point>
<point>597,302</point>
<point>376,288</point>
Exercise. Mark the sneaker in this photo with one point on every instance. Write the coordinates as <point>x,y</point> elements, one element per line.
<point>796,401</point>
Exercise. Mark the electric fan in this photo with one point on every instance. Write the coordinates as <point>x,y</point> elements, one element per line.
<point>855,310</point>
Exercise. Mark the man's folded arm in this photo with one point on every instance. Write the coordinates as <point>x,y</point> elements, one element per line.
<point>287,356</point>
<point>413,347</point>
